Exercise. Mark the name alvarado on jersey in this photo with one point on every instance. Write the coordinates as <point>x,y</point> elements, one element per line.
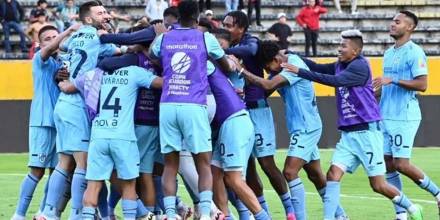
<point>122,80</point>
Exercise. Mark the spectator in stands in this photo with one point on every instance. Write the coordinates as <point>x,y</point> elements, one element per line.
<point>117,17</point>
<point>308,19</point>
<point>202,5</point>
<point>41,5</point>
<point>155,8</point>
<point>34,28</point>
<point>257,5</point>
<point>281,31</point>
<point>11,14</point>
<point>353,6</point>
<point>66,15</point>
<point>231,5</point>
<point>209,15</point>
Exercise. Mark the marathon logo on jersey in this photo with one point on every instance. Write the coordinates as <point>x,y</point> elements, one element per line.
<point>179,84</point>
<point>348,109</point>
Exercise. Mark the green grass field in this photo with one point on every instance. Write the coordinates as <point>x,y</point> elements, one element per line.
<point>357,198</point>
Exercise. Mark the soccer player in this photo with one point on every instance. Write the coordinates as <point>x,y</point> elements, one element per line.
<point>359,118</point>
<point>234,144</point>
<point>71,120</point>
<point>303,121</point>
<point>113,139</point>
<point>42,133</point>
<point>404,74</point>
<point>183,115</point>
<point>245,47</point>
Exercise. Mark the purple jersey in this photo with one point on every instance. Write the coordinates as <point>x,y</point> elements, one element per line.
<point>356,105</point>
<point>184,57</point>
<point>147,103</point>
<point>227,100</point>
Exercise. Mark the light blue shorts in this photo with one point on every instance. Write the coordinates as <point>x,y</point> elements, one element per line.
<point>361,148</point>
<point>265,143</point>
<point>304,145</point>
<point>73,128</point>
<point>108,154</point>
<point>184,122</point>
<point>42,151</point>
<point>149,146</point>
<point>399,137</point>
<point>234,144</point>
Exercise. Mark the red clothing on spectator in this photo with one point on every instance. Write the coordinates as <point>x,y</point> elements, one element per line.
<point>310,16</point>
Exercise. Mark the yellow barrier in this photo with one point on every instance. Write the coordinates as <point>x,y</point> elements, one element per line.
<point>16,78</point>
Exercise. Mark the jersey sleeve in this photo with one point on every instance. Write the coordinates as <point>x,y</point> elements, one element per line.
<point>213,47</point>
<point>107,50</point>
<point>38,60</point>
<point>144,77</point>
<point>418,63</point>
<point>155,46</point>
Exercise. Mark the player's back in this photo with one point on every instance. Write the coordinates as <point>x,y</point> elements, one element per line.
<point>84,48</point>
<point>119,89</point>
<point>404,63</point>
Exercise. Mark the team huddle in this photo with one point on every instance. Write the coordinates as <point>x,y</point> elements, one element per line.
<point>179,98</point>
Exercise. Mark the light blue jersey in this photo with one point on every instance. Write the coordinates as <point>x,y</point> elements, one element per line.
<point>115,119</point>
<point>300,102</point>
<point>45,90</point>
<point>84,48</point>
<point>404,63</point>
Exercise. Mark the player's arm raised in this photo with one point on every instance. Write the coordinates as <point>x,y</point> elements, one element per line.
<point>47,51</point>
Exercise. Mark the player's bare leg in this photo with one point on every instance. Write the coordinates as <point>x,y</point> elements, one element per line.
<point>220,196</point>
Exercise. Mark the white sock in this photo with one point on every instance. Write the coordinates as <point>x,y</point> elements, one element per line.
<point>402,216</point>
<point>412,209</point>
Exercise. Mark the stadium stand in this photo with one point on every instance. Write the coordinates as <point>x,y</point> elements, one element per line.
<point>373,20</point>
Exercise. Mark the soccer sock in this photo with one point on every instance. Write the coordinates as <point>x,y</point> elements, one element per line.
<point>288,203</point>
<point>129,208</point>
<point>141,210</point>
<point>262,215</point>
<point>395,180</point>
<point>150,208</point>
<point>430,186</point>
<point>88,213</point>
<point>159,192</point>
<point>65,197</point>
<point>339,211</point>
<point>170,206</point>
<point>404,202</point>
<point>228,217</point>
<point>102,202</point>
<point>58,186</point>
<point>298,195</point>
<point>79,185</point>
<point>43,200</point>
<point>205,202</point>
<point>191,192</point>
<point>26,192</point>
<point>242,210</point>
<point>331,199</point>
<point>263,203</point>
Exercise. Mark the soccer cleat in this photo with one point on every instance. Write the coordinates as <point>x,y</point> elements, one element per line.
<point>149,216</point>
<point>177,217</point>
<point>344,217</point>
<point>184,211</point>
<point>291,216</point>
<point>218,216</point>
<point>197,214</point>
<point>205,217</point>
<point>418,214</point>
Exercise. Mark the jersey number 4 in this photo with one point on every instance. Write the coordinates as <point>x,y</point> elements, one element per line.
<point>116,107</point>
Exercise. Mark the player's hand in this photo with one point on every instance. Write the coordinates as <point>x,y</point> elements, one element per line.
<point>240,92</point>
<point>381,81</point>
<point>74,27</point>
<point>64,85</point>
<point>236,62</point>
<point>159,28</point>
<point>290,67</point>
<point>62,74</point>
<point>102,32</point>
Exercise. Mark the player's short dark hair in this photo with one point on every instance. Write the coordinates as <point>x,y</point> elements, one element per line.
<point>222,34</point>
<point>240,19</point>
<point>412,16</point>
<point>171,11</point>
<point>188,10</point>
<point>40,2</point>
<point>46,28</point>
<point>84,9</point>
<point>204,22</point>
<point>267,51</point>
